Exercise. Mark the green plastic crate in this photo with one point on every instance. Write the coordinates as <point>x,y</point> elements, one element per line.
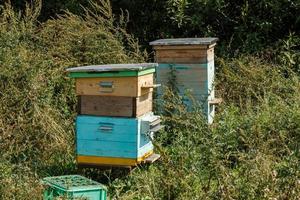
<point>73,187</point>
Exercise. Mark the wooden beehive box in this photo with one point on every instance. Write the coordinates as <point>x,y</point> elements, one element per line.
<point>127,80</point>
<point>115,141</point>
<point>184,50</point>
<point>115,106</point>
<point>123,90</point>
<point>188,63</point>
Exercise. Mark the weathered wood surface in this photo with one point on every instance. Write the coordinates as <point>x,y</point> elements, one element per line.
<point>198,78</point>
<point>143,84</point>
<point>115,106</point>
<point>151,159</point>
<point>189,72</point>
<point>215,101</point>
<point>113,67</point>
<point>115,86</point>
<point>144,104</point>
<point>181,47</point>
<point>185,41</point>
<point>184,55</point>
<point>111,74</point>
<point>181,53</point>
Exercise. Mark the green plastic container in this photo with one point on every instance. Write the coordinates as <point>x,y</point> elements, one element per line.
<point>73,187</point>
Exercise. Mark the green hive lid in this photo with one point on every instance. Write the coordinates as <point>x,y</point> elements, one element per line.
<point>73,183</point>
<point>185,41</point>
<point>113,67</point>
<point>112,70</point>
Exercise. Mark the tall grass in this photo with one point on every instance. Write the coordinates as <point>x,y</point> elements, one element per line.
<point>37,100</point>
<point>250,152</point>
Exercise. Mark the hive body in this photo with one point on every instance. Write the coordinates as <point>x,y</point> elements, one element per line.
<point>115,106</point>
<point>118,141</point>
<point>115,86</point>
<point>187,64</point>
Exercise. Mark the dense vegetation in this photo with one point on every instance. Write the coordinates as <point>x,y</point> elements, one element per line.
<point>37,99</point>
<point>243,26</point>
<point>251,151</point>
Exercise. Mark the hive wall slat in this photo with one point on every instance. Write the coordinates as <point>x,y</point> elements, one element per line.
<point>194,77</point>
<point>184,55</point>
<point>97,160</point>
<point>106,148</point>
<point>114,86</point>
<point>106,105</point>
<point>125,86</point>
<point>85,119</point>
<point>115,106</point>
<point>117,133</point>
<point>144,104</point>
<point>146,80</point>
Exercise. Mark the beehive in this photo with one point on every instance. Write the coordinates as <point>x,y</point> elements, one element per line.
<point>73,187</point>
<point>188,63</point>
<point>114,140</point>
<point>115,120</point>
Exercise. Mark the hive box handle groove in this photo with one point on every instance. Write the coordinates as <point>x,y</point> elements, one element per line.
<point>151,86</point>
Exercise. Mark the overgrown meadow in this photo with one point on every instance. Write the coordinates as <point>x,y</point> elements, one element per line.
<point>252,150</point>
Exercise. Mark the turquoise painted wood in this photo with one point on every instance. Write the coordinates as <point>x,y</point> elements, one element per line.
<point>107,148</point>
<point>112,136</point>
<point>106,132</point>
<point>86,119</point>
<point>192,79</point>
<point>144,139</point>
<point>73,187</point>
<point>196,77</point>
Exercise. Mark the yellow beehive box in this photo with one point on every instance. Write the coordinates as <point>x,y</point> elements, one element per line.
<point>126,80</point>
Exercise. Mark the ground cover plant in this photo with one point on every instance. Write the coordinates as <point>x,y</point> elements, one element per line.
<point>38,103</point>
<point>250,152</point>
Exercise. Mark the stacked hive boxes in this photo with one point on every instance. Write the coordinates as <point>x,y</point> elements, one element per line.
<point>115,120</point>
<point>188,62</point>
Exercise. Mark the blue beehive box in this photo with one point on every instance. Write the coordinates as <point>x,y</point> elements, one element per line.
<point>188,63</point>
<point>73,187</point>
<point>115,141</point>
